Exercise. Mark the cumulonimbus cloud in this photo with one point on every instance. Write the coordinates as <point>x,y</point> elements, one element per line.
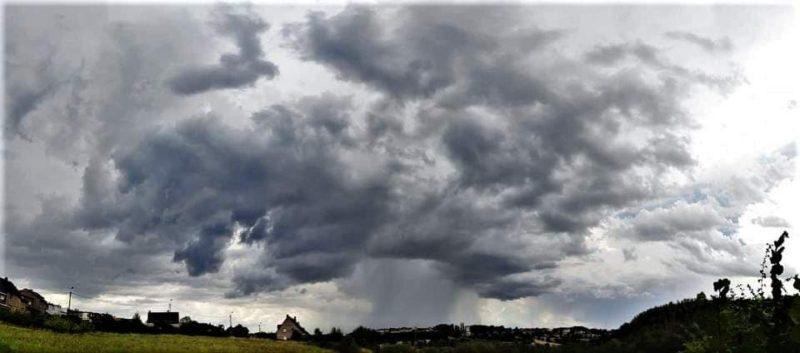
<point>489,156</point>
<point>553,162</point>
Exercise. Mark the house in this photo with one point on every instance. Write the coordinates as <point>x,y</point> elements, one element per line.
<point>163,318</point>
<point>9,296</point>
<point>290,329</point>
<point>82,315</point>
<point>55,309</point>
<point>34,301</point>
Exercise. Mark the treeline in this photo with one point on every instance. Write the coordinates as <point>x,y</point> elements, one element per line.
<point>691,326</point>
<point>109,323</point>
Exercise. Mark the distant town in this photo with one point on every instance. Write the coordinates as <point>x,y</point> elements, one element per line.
<point>14,301</point>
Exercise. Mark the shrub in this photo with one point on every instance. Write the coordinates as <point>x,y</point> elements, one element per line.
<point>61,324</point>
<point>397,348</point>
<point>348,345</point>
<point>19,318</point>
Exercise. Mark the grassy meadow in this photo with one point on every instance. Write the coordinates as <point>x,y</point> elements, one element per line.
<point>19,339</point>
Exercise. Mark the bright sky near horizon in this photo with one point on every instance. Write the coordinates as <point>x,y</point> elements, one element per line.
<point>541,165</point>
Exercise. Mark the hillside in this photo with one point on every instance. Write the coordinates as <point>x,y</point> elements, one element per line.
<point>700,325</point>
<point>23,340</point>
<point>691,326</point>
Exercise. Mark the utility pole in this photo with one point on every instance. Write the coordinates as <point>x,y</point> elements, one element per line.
<point>230,320</point>
<point>259,327</point>
<point>170,305</point>
<point>69,302</point>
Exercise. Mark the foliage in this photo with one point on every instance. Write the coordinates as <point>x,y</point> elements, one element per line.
<point>194,328</point>
<point>735,321</point>
<point>238,331</point>
<point>463,347</point>
<point>399,348</point>
<point>63,324</point>
<point>348,345</point>
<point>776,254</point>
<point>21,318</point>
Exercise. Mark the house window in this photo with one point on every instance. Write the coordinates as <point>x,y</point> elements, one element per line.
<point>2,297</point>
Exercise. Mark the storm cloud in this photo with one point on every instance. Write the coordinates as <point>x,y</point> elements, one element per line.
<point>546,162</point>
<point>486,152</point>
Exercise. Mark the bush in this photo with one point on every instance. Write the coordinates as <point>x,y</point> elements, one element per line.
<point>397,348</point>
<point>348,345</point>
<point>20,318</point>
<point>61,324</point>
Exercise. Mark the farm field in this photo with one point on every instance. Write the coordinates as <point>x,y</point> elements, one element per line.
<point>23,340</point>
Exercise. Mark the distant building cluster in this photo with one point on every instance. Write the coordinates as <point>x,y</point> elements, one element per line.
<point>29,301</point>
<point>424,336</point>
<point>16,300</point>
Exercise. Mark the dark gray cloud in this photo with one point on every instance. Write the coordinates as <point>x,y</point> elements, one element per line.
<point>489,155</point>
<point>611,54</point>
<point>282,183</point>
<point>203,254</point>
<point>711,45</point>
<point>102,85</point>
<point>629,254</point>
<point>682,218</point>
<point>513,289</point>
<point>351,43</point>
<point>436,49</point>
<point>548,148</point>
<point>20,102</point>
<point>28,85</point>
<point>242,69</point>
<point>76,256</point>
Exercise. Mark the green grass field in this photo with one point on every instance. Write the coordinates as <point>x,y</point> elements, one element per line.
<point>18,339</point>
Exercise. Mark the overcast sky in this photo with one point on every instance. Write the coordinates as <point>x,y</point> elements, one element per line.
<point>388,166</point>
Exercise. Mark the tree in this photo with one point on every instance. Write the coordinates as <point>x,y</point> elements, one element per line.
<point>777,269</point>
<point>238,331</point>
<point>335,334</point>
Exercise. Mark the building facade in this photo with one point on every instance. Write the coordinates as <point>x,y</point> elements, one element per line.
<point>34,301</point>
<point>290,329</point>
<point>10,297</point>
<point>55,309</point>
<point>171,318</point>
